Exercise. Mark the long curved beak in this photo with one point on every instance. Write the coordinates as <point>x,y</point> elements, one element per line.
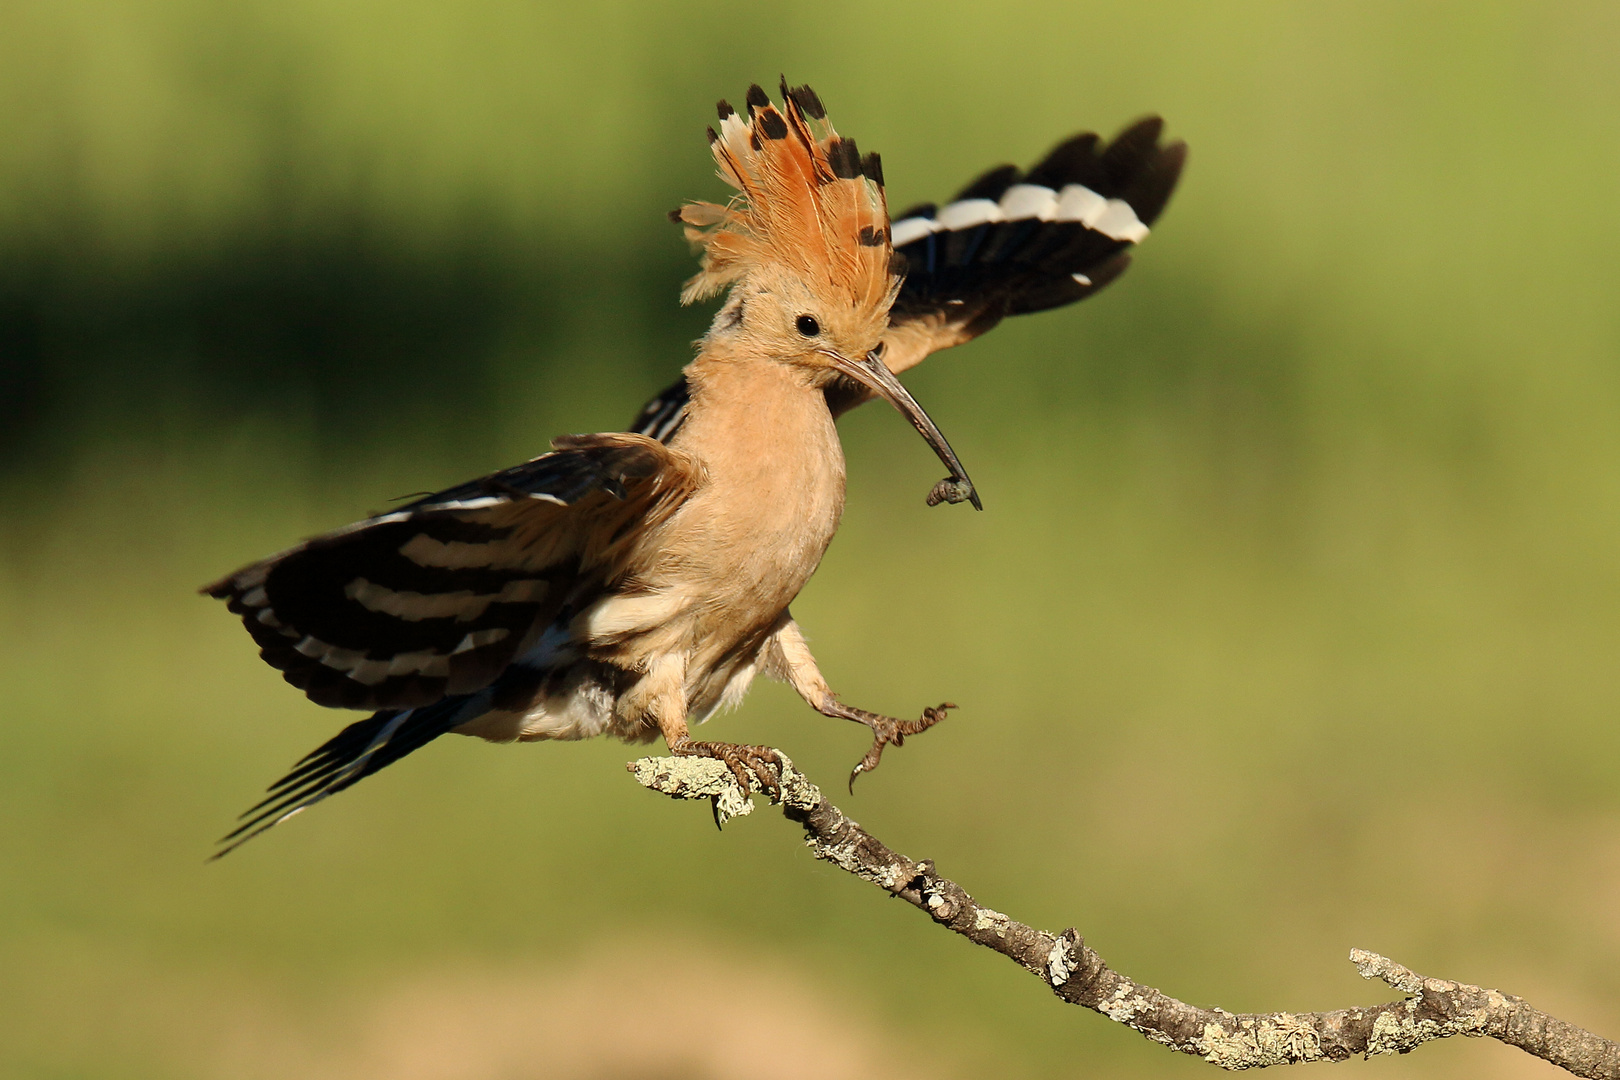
<point>875,375</point>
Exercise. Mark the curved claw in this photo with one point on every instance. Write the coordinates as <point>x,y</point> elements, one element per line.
<point>886,729</point>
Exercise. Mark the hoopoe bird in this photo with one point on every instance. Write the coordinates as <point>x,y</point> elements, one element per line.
<point>631,584</point>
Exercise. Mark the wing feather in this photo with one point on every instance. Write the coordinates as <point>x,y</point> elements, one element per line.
<point>1012,243</point>
<point>433,600</point>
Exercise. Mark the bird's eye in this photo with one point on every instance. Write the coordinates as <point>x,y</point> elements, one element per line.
<point>808,326</point>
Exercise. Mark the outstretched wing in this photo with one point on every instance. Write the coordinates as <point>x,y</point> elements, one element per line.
<point>434,600</point>
<point>1010,243</point>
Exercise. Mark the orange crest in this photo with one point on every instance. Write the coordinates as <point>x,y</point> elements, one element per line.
<point>807,203</point>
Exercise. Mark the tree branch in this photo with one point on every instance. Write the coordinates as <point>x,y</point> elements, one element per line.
<point>1433,1009</point>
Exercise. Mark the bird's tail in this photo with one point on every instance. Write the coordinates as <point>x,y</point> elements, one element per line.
<point>352,754</point>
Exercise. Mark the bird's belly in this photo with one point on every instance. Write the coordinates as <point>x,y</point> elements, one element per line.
<point>705,592</point>
<point>583,702</point>
<point>576,701</point>
<point>707,584</point>
<point>761,563</point>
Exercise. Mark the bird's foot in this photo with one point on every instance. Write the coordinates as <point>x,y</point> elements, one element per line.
<point>761,763</point>
<point>888,729</point>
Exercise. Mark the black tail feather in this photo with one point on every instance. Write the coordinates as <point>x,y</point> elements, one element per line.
<point>348,757</point>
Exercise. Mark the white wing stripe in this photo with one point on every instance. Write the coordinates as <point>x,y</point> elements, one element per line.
<point>967,213</point>
<point>910,229</point>
<point>1029,201</point>
<point>1114,218</point>
<point>1120,222</point>
<point>1079,203</point>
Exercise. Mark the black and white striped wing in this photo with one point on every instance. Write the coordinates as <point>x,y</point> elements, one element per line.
<point>435,599</point>
<point>1010,243</point>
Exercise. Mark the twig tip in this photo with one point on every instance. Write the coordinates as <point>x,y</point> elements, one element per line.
<point>1370,965</point>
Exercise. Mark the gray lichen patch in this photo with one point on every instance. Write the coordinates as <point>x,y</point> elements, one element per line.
<point>706,778</point>
<point>695,778</point>
<point>1372,966</point>
<point>797,790</point>
<point>683,777</point>
<point>1123,1005</point>
<point>847,854</point>
<point>986,919</point>
<point>1060,962</point>
<point>1398,1032</point>
<point>1279,1039</point>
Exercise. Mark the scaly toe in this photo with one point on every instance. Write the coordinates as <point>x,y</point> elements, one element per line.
<point>759,764</point>
<point>767,767</point>
<point>929,718</point>
<point>886,730</point>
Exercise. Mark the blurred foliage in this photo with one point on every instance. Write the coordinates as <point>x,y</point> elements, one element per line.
<point>1290,625</point>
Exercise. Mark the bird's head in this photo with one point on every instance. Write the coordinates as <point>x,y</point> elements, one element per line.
<point>804,250</point>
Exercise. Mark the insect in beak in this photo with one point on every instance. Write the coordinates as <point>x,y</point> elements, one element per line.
<point>875,375</point>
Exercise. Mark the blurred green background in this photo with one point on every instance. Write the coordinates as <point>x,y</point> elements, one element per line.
<point>1290,626</point>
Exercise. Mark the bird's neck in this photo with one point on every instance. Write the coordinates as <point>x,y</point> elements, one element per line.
<point>762,428</point>
<point>763,413</point>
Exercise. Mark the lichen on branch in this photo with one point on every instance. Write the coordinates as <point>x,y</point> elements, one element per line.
<point>1433,1008</point>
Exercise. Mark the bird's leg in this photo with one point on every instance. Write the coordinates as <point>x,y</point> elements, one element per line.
<point>788,657</point>
<point>885,729</point>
